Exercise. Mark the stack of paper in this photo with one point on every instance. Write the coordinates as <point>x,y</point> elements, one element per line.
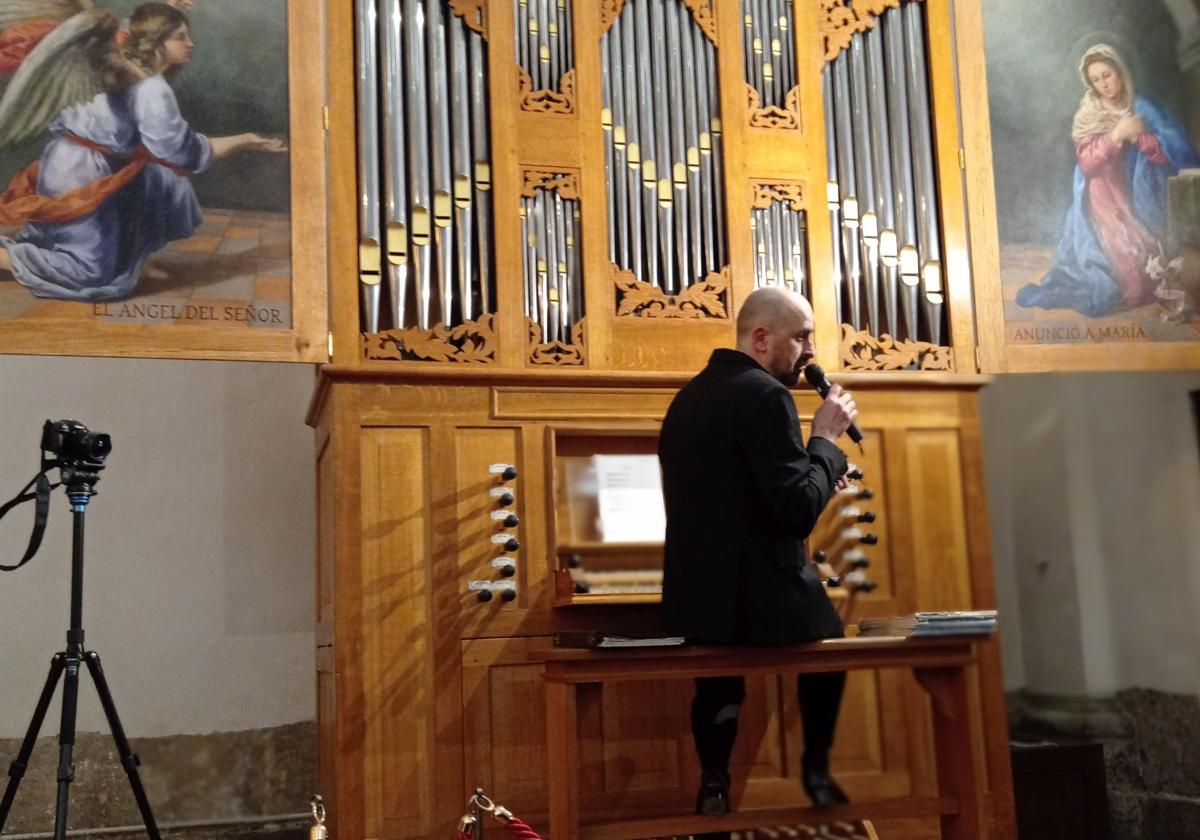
<point>925,624</point>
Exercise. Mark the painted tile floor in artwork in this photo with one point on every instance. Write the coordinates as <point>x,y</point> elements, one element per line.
<point>234,271</point>
<point>1021,264</point>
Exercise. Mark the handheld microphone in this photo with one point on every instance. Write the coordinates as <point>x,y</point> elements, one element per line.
<point>821,384</point>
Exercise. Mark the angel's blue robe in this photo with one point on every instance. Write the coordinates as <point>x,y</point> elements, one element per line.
<point>100,256</point>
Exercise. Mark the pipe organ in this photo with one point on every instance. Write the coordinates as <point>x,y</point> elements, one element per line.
<point>546,214</point>
<point>671,208</point>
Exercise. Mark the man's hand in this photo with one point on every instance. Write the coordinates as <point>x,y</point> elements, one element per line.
<point>835,415</point>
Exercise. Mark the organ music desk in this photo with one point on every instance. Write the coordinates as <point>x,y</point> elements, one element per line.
<point>939,665</point>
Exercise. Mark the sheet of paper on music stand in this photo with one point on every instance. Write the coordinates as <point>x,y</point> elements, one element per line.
<point>629,491</point>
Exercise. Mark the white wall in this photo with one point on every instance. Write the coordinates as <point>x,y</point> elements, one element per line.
<point>1094,482</point>
<point>199,564</point>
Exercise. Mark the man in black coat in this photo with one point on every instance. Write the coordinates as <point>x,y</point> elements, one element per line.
<point>742,493</point>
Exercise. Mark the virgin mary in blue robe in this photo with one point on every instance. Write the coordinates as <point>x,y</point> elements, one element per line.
<point>1118,209</point>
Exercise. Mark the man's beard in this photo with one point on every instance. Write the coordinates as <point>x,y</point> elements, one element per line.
<point>792,376</point>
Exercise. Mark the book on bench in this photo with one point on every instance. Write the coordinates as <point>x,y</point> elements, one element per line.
<point>600,639</point>
<point>926,624</point>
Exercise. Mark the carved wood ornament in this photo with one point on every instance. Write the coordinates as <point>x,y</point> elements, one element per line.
<point>558,352</point>
<point>707,299</point>
<point>790,193</point>
<point>567,183</point>
<point>772,116</point>
<point>862,351</point>
<point>839,20</point>
<point>472,342</point>
<point>473,14</point>
<point>701,11</point>
<point>561,101</point>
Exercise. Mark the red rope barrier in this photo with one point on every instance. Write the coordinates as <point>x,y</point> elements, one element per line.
<point>520,830</point>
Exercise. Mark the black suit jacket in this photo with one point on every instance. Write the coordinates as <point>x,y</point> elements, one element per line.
<point>742,493</point>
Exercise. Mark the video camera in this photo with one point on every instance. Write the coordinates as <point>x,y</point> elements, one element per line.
<point>75,446</point>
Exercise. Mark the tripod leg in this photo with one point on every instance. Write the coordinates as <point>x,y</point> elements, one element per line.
<point>17,769</point>
<point>66,744</point>
<point>128,760</point>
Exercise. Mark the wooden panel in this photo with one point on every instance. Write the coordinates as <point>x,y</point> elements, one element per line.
<point>505,744</point>
<point>869,754</point>
<point>938,520</point>
<point>761,750</point>
<point>956,265</point>
<point>646,736</point>
<point>326,730</point>
<point>859,745</point>
<point>635,742</point>
<point>398,669</point>
<point>326,516</point>
<point>649,344</point>
<point>579,403</point>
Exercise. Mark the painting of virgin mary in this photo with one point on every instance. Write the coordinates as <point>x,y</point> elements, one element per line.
<point>1126,147</point>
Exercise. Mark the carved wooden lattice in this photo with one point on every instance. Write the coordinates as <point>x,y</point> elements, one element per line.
<point>791,193</point>
<point>474,341</point>
<point>561,101</point>
<point>863,352</point>
<point>703,14</point>
<point>557,352</point>
<point>472,12</point>
<point>839,20</point>
<point>610,10</point>
<point>772,116</point>
<point>567,183</point>
<point>701,11</point>
<point>706,299</point>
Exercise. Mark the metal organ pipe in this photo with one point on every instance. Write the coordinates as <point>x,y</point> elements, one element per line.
<point>649,138</point>
<point>368,163</point>
<point>442,179</point>
<point>833,199</point>
<point>902,180</point>
<point>886,251</point>
<point>922,141</point>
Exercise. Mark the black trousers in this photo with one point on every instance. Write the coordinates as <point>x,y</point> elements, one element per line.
<point>718,700</point>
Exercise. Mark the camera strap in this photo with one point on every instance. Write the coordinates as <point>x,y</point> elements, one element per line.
<point>41,511</point>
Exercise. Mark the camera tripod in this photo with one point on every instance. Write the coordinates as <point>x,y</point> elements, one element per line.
<point>79,492</point>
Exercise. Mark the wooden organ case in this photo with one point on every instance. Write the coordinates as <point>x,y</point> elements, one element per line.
<point>544,215</point>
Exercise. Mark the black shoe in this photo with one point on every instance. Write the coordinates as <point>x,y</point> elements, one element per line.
<point>822,789</point>
<point>713,797</point>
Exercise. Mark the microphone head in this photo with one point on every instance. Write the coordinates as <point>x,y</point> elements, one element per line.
<point>816,377</point>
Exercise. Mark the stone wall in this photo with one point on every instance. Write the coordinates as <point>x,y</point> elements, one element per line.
<point>228,784</point>
<point>1151,761</point>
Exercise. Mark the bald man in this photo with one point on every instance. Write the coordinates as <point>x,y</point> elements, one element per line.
<point>742,493</point>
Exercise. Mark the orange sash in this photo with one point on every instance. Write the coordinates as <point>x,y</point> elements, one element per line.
<point>21,203</point>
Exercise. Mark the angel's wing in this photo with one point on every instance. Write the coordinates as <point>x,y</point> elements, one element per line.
<point>15,11</point>
<point>57,73</point>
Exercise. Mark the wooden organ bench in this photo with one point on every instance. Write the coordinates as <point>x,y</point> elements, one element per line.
<point>939,665</point>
